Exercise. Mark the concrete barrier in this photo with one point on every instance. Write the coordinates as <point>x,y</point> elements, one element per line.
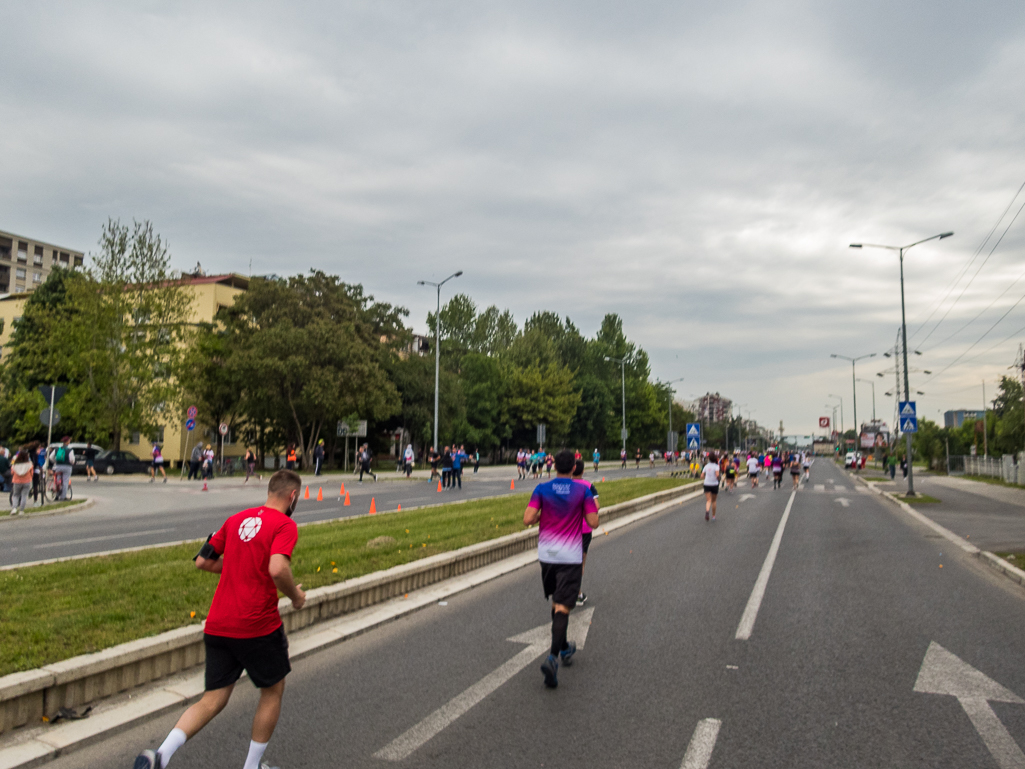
<point>28,696</point>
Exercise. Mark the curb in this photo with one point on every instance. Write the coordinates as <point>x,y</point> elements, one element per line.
<point>83,505</point>
<point>47,743</point>
<point>992,560</point>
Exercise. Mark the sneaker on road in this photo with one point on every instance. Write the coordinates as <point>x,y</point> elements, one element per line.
<point>550,669</point>
<point>265,765</point>
<point>148,759</point>
<point>582,598</point>
<point>566,655</point>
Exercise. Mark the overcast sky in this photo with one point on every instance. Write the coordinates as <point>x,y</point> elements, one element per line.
<point>698,168</point>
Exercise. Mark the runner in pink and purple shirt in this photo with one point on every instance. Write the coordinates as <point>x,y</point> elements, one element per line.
<point>560,507</point>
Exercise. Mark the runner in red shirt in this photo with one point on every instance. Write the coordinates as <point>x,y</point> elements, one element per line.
<point>243,629</point>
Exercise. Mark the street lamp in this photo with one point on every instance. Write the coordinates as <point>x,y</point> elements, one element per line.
<point>904,336</point>
<point>840,398</point>
<point>854,387</point>
<point>669,443</point>
<point>873,384</point>
<point>437,345</point>
<point>622,363</point>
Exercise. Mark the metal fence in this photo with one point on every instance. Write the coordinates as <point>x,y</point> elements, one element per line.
<point>1008,468</point>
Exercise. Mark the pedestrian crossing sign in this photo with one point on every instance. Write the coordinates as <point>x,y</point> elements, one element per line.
<point>693,435</point>
<point>907,409</point>
<point>909,424</point>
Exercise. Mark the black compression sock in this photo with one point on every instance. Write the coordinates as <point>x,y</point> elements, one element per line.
<point>560,624</point>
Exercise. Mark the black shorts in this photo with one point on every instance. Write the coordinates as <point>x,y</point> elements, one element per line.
<point>561,582</point>
<point>711,490</point>
<point>265,659</point>
<point>587,540</point>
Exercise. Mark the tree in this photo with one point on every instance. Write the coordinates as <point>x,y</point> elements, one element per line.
<point>309,350</point>
<point>114,335</point>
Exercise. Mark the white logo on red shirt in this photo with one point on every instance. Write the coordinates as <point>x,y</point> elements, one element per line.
<point>250,528</point>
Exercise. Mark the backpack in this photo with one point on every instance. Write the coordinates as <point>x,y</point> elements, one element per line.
<point>60,456</point>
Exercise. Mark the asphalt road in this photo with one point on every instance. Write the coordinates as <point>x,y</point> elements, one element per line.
<point>130,512</point>
<point>854,601</point>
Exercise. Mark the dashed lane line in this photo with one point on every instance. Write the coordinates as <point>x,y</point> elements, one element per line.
<point>754,603</point>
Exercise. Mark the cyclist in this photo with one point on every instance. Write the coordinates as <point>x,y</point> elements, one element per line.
<point>63,458</point>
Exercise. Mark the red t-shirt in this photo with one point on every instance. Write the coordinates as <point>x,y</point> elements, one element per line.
<point>245,603</point>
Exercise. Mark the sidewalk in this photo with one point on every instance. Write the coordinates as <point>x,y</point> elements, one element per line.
<point>989,516</point>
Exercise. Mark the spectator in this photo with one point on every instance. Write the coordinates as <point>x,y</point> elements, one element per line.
<point>195,461</point>
<point>38,454</point>
<point>408,459</point>
<point>208,462</point>
<point>22,477</point>
<point>158,464</point>
<point>318,457</point>
<point>250,460</point>
<point>63,458</point>
<point>5,471</point>
<point>291,458</point>
<point>90,454</point>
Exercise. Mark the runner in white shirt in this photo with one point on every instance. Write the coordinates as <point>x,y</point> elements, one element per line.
<point>806,464</point>
<point>753,470</point>
<point>710,479</point>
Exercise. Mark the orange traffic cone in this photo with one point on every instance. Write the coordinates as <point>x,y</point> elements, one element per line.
<point>512,485</point>
<point>307,495</point>
<point>342,492</point>
<point>204,486</point>
<point>603,479</point>
<point>320,494</point>
<point>346,503</point>
<point>400,508</point>
<point>373,507</point>
<point>439,487</point>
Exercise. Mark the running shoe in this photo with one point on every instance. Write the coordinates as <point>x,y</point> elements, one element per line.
<point>706,515</point>
<point>550,668</point>
<point>148,759</point>
<point>582,598</point>
<point>265,765</point>
<point>566,655</point>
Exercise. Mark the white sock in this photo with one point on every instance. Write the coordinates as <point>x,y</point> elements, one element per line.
<point>255,754</point>
<point>174,741</point>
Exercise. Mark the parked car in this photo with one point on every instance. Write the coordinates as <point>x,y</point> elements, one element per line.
<point>79,448</point>
<point>120,462</point>
<point>848,461</point>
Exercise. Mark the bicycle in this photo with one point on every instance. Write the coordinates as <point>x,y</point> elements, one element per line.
<point>54,484</point>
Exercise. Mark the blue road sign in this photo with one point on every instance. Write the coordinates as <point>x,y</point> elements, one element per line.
<point>909,424</point>
<point>190,425</point>
<point>906,409</point>
<point>693,435</point>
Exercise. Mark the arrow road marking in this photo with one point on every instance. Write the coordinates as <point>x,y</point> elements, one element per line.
<point>747,621</point>
<point>820,487</point>
<point>746,496</point>
<point>539,640</point>
<point>702,743</point>
<point>944,673</point>
<point>843,501</point>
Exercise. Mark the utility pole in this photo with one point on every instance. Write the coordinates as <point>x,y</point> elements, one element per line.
<point>437,347</point>
<point>985,432</point>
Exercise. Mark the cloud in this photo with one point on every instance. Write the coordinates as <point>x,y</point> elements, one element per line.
<point>698,168</point>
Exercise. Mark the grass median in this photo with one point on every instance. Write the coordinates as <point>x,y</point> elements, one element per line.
<point>60,610</point>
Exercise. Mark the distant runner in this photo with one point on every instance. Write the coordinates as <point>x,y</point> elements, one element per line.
<point>753,470</point>
<point>596,458</point>
<point>710,474</point>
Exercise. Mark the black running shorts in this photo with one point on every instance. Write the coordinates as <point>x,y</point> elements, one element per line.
<point>587,541</point>
<point>561,582</point>
<point>711,489</point>
<point>265,659</point>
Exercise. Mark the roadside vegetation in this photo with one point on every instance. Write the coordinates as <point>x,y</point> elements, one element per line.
<point>56,611</point>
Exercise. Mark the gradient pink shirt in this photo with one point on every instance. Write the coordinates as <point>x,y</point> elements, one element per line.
<point>563,504</point>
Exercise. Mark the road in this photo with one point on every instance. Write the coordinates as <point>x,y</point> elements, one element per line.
<point>131,512</point>
<point>858,652</point>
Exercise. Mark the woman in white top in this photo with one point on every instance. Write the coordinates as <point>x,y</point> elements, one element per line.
<point>710,479</point>
<point>407,459</point>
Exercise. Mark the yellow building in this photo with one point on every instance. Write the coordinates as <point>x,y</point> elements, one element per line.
<point>209,294</point>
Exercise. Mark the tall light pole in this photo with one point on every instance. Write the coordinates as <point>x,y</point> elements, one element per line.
<point>437,345</point>
<point>669,384</point>
<point>742,432</point>
<point>904,338</point>
<point>854,388</point>
<point>622,363</point>
<point>873,384</point>
<point>840,398</point>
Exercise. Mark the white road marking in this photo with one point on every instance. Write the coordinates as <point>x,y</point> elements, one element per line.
<point>754,603</point>
<point>839,488</point>
<point>820,487</point>
<point>101,539</point>
<point>539,639</point>
<point>744,497</point>
<point>843,501</point>
<point>945,673</point>
<point>702,743</point>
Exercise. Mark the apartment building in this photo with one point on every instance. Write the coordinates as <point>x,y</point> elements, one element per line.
<point>713,407</point>
<point>25,263</point>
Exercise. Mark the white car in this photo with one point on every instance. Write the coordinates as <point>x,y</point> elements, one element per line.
<point>850,459</point>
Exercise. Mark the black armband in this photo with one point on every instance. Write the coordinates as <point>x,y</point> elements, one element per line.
<point>207,551</point>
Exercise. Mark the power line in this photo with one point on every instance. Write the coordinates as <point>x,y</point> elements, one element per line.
<point>1020,299</point>
<point>984,261</point>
